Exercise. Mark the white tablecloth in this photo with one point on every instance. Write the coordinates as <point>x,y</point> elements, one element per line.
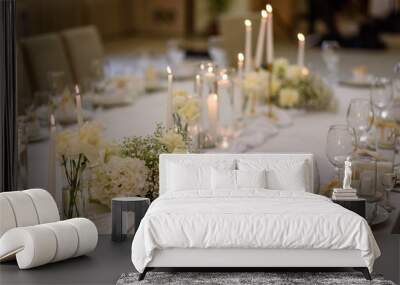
<point>307,134</point>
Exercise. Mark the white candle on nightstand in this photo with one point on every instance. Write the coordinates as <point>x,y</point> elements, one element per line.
<point>300,50</point>
<point>169,117</point>
<point>248,61</point>
<point>212,108</point>
<point>260,40</point>
<point>270,35</point>
<point>78,106</point>
<point>52,162</point>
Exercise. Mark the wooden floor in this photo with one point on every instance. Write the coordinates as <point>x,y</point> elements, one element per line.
<point>103,266</point>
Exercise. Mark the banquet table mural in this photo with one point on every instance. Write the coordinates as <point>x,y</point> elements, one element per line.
<point>307,133</point>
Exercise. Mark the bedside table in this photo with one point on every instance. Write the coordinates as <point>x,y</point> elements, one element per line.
<point>357,205</point>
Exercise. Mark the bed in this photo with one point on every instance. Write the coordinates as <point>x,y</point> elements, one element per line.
<point>247,211</point>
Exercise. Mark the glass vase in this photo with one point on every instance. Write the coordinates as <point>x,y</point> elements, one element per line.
<point>74,202</point>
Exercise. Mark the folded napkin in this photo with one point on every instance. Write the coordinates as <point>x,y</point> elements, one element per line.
<point>283,117</point>
<point>254,134</point>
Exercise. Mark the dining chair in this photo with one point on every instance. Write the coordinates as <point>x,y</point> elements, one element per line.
<point>84,47</point>
<point>24,89</point>
<point>45,53</point>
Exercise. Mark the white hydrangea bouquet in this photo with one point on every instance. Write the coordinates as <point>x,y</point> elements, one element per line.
<point>126,169</point>
<point>148,149</point>
<point>76,150</point>
<point>293,87</point>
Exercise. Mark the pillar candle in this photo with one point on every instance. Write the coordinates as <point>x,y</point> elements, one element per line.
<point>270,35</point>
<point>212,108</point>
<point>248,61</point>
<point>78,106</point>
<point>240,65</point>
<point>52,162</point>
<point>300,50</point>
<point>169,116</point>
<point>260,39</point>
<point>197,85</point>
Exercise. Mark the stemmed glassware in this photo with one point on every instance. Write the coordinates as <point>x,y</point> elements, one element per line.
<point>360,117</point>
<point>340,145</point>
<point>381,94</point>
<point>331,59</point>
<point>388,181</point>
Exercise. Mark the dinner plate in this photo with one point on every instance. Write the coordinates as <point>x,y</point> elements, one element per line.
<point>367,83</point>
<point>108,101</point>
<point>41,135</point>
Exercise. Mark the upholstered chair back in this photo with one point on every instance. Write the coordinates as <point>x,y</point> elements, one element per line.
<point>46,53</point>
<point>233,34</point>
<point>26,208</point>
<point>84,47</point>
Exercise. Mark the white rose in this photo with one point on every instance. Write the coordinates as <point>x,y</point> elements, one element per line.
<point>190,111</point>
<point>255,83</point>
<point>294,73</point>
<point>280,66</point>
<point>288,97</point>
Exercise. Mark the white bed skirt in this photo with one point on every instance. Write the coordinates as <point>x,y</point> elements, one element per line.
<point>189,257</point>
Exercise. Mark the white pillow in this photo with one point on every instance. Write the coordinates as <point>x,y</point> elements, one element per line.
<point>223,179</point>
<point>282,174</point>
<point>183,178</point>
<point>251,178</point>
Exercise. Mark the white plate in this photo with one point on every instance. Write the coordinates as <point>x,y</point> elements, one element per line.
<point>43,134</point>
<point>366,83</point>
<point>109,101</point>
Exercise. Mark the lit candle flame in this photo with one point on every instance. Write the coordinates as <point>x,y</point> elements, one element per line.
<point>77,89</point>
<point>240,56</point>
<point>247,23</point>
<point>301,37</point>
<point>169,71</point>
<point>210,69</point>
<point>264,14</point>
<point>224,76</point>
<point>269,8</point>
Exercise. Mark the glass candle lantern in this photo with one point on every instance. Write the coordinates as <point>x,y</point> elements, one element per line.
<point>364,170</point>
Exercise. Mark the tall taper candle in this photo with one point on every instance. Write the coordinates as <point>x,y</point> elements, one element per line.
<point>300,50</point>
<point>240,57</point>
<point>212,108</point>
<point>78,106</point>
<point>260,40</point>
<point>52,163</point>
<point>169,117</point>
<point>270,35</point>
<point>247,60</point>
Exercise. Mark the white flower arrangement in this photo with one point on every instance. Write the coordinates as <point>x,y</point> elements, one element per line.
<point>186,108</point>
<point>76,149</point>
<point>293,86</point>
<point>119,176</point>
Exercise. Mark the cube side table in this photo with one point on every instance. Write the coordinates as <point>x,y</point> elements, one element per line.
<point>138,205</point>
<point>357,206</point>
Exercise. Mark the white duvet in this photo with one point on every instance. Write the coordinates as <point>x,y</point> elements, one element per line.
<point>250,219</point>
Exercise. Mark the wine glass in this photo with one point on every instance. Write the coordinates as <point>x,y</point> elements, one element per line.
<point>360,117</point>
<point>388,181</point>
<point>340,144</point>
<point>330,57</point>
<point>381,93</point>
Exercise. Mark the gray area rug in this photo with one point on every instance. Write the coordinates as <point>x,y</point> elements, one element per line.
<point>229,278</point>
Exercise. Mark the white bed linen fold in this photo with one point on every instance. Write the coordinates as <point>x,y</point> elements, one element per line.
<point>252,218</point>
